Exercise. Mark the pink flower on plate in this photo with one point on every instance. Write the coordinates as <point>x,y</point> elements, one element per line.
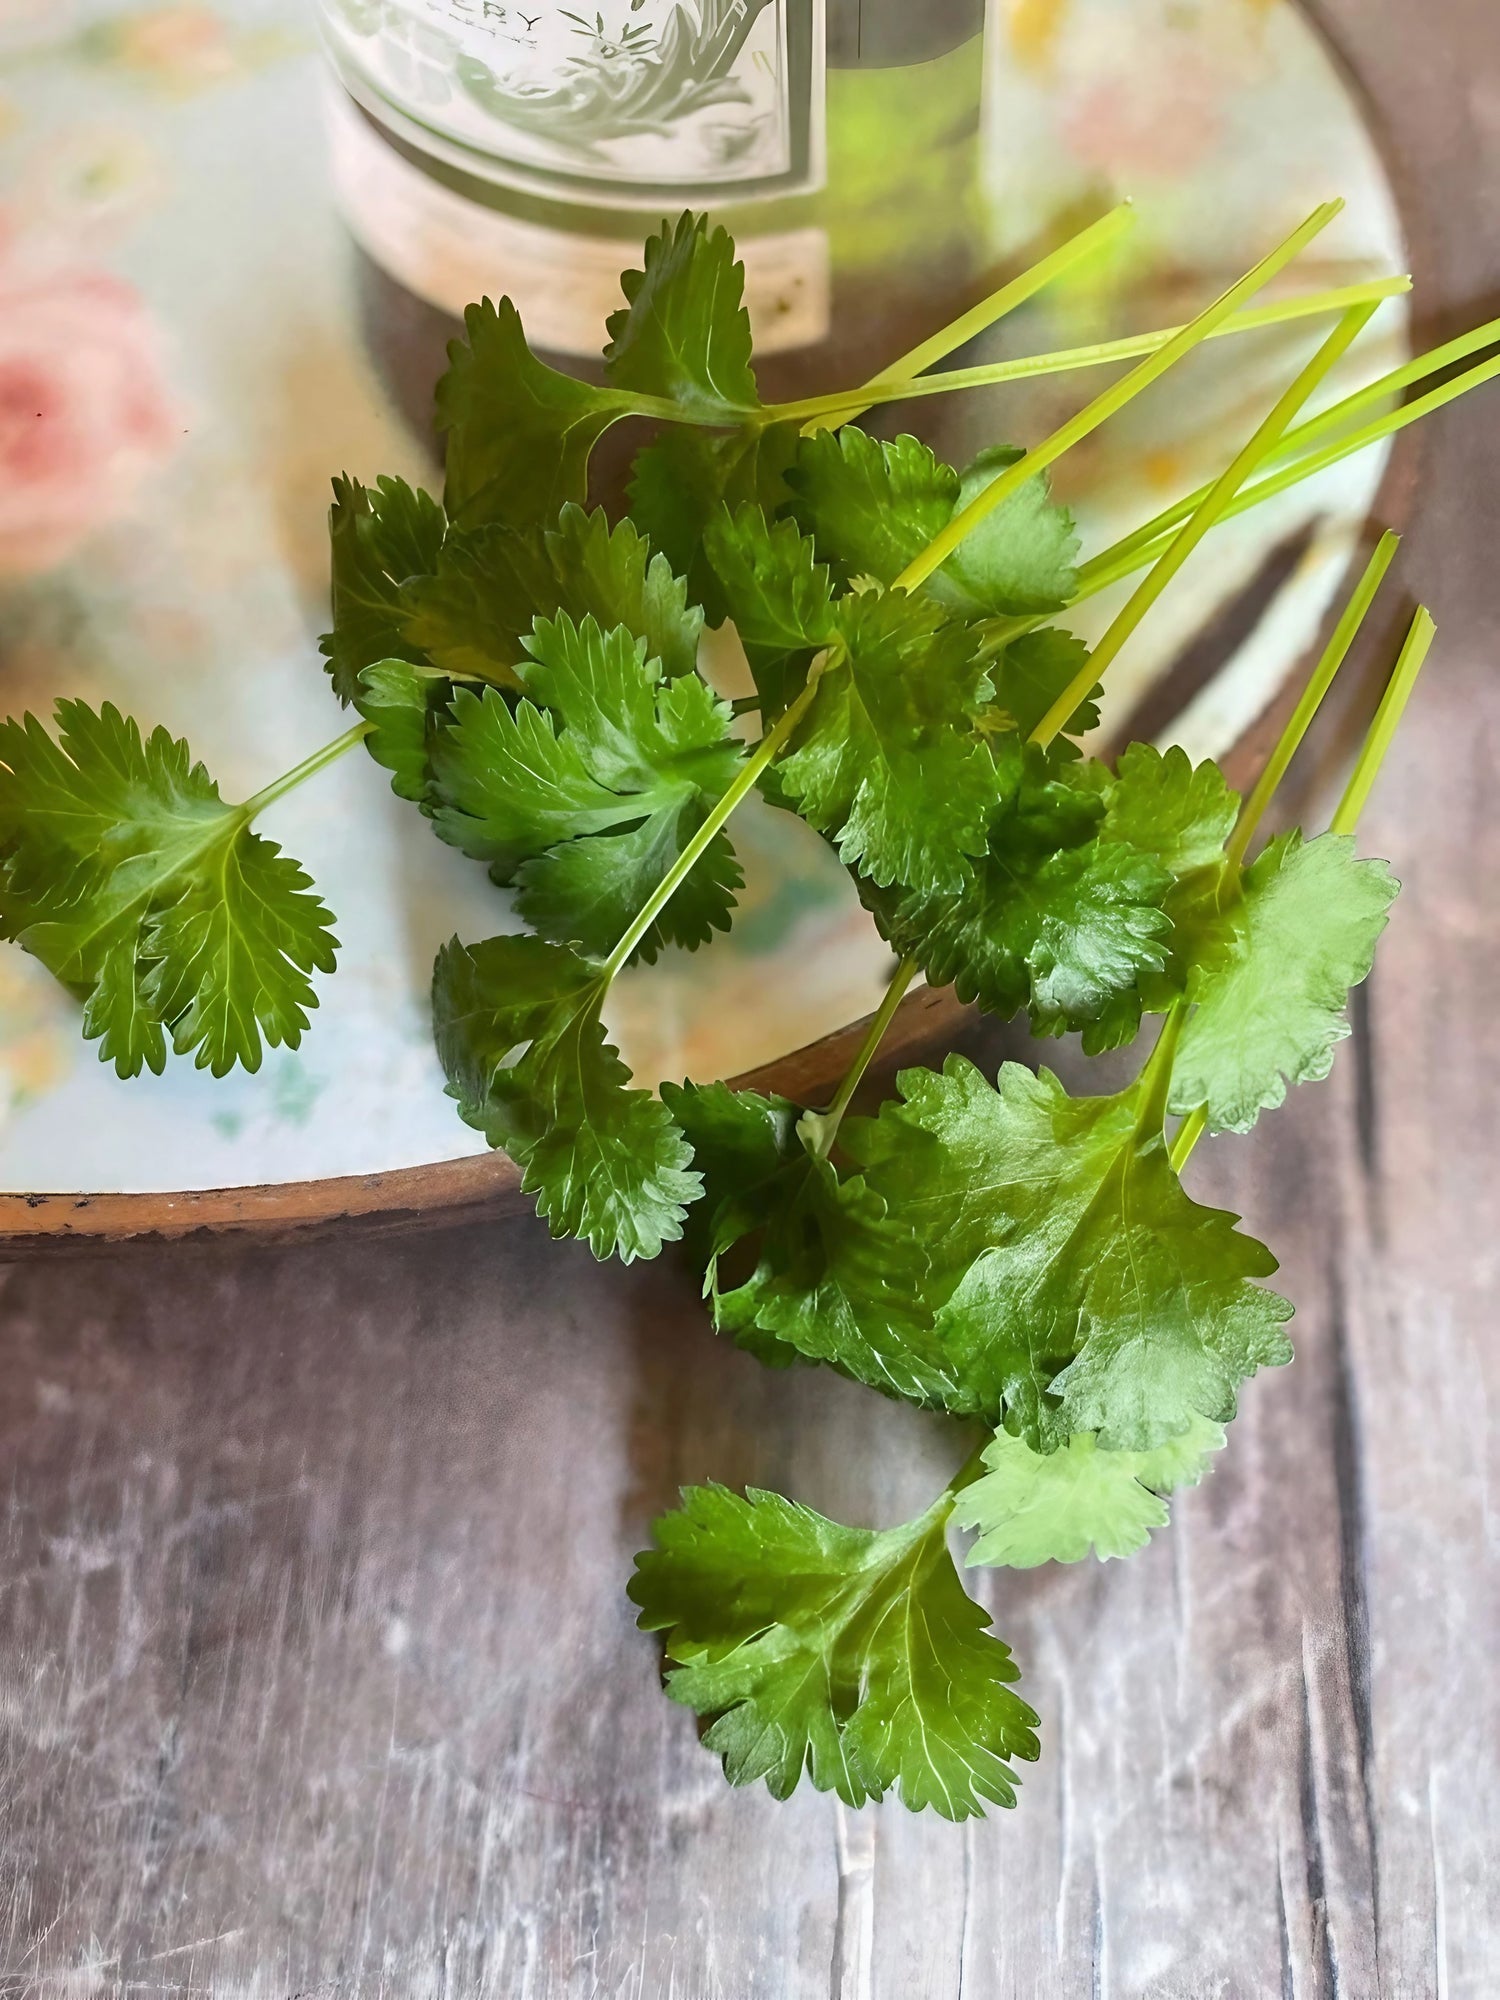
<point>180,47</point>
<point>84,414</point>
<point>1160,123</point>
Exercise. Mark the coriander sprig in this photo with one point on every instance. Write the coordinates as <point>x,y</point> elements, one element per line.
<point>152,899</point>
<point>995,1249</point>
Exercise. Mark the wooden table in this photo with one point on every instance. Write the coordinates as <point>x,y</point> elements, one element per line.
<point>316,1672</point>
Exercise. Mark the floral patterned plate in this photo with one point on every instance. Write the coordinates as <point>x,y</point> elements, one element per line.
<point>180,370</point>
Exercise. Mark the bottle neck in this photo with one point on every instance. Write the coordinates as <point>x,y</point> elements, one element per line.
<point>884,34</point>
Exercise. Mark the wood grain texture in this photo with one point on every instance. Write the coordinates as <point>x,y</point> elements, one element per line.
<point>316,1672</point>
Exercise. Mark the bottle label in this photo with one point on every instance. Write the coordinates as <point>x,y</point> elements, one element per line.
<point>565,283</point>
<point>617,100</point>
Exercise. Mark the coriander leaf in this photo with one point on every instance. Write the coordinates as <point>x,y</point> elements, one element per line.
<point>685,333</point>
<point>837,1278</point>
<point>380,540</point>
<point>778,595</point>
<point>516,1021</point>
<point>873,507</point>
<point>519,433</point>
<point>1159,805</point>
<point>233,952</point>
<point>588,892</point>
<point>741,1140</point>
<point>676,483</point>
<point>608,758</point>
<point>1097,1296</point>
<point>403,703</point>
<point>506,784</point>
<point>629,720</point>
<point>1183,817</point>
<point>1052,917</point>
<point>136,885</point>
<point>870,506</point>
<point>681,478</point>
<point>1183,1460</point>
<point>1018,560</point>
<point>1029,676</point>
<point>855,1656</point>
<point>1270,1002</point>
<point>610,574</point>
<point>1033,1508</point>
<point>887,761</point>
<point>1162,804</point>
<point>472,615</point>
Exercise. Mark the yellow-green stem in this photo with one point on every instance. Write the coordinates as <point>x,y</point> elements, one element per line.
<point>1418,369</point>
<point>1215,502</point>
<point>1368,434</point>
<point>1345,632</point>
<point>820,1128</point>
<point>976,320</point>
<point>308,768</point>
<point>1113,400</point>
<point>892,387</point>
<point>1124,558</point>
<point>1156,1077</point>
<point>1105,568</point>
<point>1187,1135</point>
<point>1387,719</point>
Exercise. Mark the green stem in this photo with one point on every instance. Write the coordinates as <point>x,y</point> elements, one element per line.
<point>848,403</point>
<point>744,784</point>
<point>851,403</point>
<point>1387,719</point>
<point>1121,562</point>
<point>1188,1133</point>
<point>1112,563</point>
<point>1355,612</point>
<point>820,1128</point>
<point>1418,369</point>
<point>1113,400</point>
<point>972,1468</point>
<point>1258,448</point>
<point>308,768</point>
<point>1156,1078</point>
<point>1383,427</point>
<point>661,409</point>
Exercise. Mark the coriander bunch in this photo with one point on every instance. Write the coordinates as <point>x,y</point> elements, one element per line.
<point>526,670</point>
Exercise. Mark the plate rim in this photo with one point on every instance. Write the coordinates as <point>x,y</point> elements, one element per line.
<point>474,1187</point>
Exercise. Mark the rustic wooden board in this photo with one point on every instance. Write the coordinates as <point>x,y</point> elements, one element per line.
<point>316,1673</point>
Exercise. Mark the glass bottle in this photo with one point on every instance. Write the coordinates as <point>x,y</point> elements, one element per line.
<point>481,146</point>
